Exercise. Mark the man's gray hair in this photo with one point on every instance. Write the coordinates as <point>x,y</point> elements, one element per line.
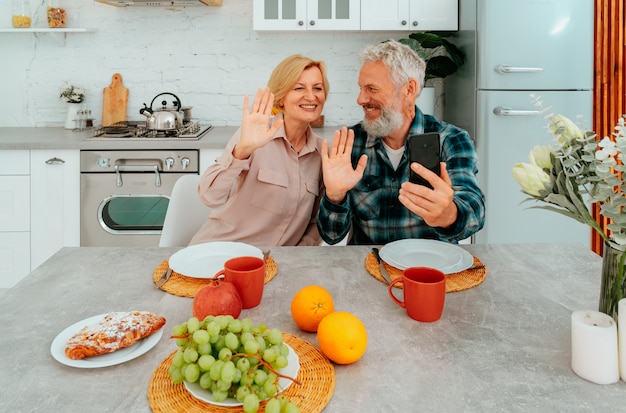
<point>402,61</point>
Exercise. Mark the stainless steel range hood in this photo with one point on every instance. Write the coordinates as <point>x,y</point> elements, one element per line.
<point>161,3</point>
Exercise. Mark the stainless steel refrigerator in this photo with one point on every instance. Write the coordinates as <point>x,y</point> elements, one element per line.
<point>516,48</point>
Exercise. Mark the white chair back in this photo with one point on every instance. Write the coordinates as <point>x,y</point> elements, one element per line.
<point>185,213</point>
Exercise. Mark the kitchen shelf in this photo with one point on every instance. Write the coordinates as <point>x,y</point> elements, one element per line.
<point>59,33</point>
<point>46,30</point>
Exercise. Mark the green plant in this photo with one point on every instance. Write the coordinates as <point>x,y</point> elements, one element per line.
<point>72,94</point>
<point>442,57</point>
<point>581,169</point>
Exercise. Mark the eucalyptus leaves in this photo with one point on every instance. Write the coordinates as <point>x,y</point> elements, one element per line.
<point>580,170</point>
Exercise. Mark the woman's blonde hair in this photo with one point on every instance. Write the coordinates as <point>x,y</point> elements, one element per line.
<point>286,74</point>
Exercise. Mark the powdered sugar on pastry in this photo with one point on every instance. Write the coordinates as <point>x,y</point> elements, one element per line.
<point>114,332</point>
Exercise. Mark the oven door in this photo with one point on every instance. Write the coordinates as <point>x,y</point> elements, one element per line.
<point>130,214</point>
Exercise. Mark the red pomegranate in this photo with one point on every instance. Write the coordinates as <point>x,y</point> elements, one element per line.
<point>219,297</point>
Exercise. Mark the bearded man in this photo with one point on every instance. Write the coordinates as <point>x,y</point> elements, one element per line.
<point>368,196</point>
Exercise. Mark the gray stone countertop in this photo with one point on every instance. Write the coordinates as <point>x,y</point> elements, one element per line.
<point>502,346</point>
<point>60,138</point>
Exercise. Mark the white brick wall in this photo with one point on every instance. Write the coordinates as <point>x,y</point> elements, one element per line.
<point>208,56</point>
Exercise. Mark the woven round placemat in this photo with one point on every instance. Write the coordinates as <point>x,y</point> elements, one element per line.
<point>183,286</point>
<point>457,281</point>
<point>316,377</point>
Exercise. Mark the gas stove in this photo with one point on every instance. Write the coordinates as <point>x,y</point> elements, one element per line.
<point>135,130</point>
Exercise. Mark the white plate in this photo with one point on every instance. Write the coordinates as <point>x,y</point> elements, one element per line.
<point>206,260</point>
<point>293,366</point>
<point>405,253</point>
<point>105,360</point>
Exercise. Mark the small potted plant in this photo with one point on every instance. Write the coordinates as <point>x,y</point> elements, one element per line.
<point>442,59</point>
<point>73,96</point>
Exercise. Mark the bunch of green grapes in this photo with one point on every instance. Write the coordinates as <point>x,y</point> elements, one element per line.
<point>232,358</point>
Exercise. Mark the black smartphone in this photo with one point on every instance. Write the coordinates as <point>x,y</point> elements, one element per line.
<point>425,150</point>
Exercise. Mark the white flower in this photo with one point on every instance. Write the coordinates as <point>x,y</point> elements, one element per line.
<point>581,170</point>
<point>541,156</point>
<point>564,130</point>
<point>533,180</point>
<point>73,94</point>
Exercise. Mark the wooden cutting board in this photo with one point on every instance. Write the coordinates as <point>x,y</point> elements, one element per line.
<point>115,102</point>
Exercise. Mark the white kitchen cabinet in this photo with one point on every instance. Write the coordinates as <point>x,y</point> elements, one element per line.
<point>15,258</point>
<point>55,202</point>
<point>410,15</point>
<point>270,15</point>
<point>208,158</point>
<point>14,216</point>
<point>14,203</point>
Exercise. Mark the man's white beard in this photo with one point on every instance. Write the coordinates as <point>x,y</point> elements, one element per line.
<point>388,121</point>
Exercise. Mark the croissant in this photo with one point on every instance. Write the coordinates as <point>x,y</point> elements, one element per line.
<point>114,332</point>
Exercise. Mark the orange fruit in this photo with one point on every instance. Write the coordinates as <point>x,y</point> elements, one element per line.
<point>342,337</point>
<point>310,305</point>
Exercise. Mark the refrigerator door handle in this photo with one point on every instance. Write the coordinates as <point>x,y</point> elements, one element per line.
<point>513,69</point>
<point>505,111</point>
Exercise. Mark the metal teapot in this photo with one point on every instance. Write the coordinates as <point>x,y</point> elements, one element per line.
<point>163,118</point>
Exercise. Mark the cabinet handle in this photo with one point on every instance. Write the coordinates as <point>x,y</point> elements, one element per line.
<point>513,69</point>
<point>300,23</point>
<point>504,111</point>
<point>403,22</point>
<point>415,23</point>
<point>312,22</point>
<point>55,161</point>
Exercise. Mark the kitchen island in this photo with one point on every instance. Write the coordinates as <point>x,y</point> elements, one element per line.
<point>503,345</point>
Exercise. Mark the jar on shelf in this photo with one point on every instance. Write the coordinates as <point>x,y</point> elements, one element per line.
<point>55,13</point>
<point>20,16</point>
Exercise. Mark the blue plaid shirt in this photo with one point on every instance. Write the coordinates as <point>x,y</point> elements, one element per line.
<point>372,207</point>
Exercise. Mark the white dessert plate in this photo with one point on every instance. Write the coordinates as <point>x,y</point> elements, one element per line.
<point>105,360</point>
<point>405,253</point>
<point>293,366</point>
<point>206,260</point>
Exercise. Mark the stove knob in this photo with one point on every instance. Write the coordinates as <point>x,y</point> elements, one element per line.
<point>169,162</point>
<point>185,162</point>
<point>103,162</point>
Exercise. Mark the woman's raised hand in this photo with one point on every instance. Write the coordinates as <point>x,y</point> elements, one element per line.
<point>256,131</point>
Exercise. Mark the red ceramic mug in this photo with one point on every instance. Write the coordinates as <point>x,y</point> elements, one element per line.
<point>248,276</point>
<point>424,293</point>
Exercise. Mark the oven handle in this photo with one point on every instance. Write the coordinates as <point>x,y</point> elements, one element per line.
<point>136,168</point>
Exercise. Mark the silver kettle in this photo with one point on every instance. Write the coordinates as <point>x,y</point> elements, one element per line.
<point>163,118</point>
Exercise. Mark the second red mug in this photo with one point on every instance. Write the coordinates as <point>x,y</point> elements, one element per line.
<point>424,293</point>
<point>248,276</point>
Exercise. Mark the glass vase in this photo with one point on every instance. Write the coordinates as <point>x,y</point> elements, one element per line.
<point>613,285</point>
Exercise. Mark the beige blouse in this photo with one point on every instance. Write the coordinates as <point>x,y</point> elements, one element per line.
<point>269,199</point>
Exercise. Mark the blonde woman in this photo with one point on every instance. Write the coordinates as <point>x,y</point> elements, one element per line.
<point>265,187</point>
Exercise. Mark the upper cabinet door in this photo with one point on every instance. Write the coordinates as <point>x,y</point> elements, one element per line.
<point>333,15</point>
<point>385,15</point>
<point>413,15</point>
<point>279,15</point>
<point>299,15</point>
